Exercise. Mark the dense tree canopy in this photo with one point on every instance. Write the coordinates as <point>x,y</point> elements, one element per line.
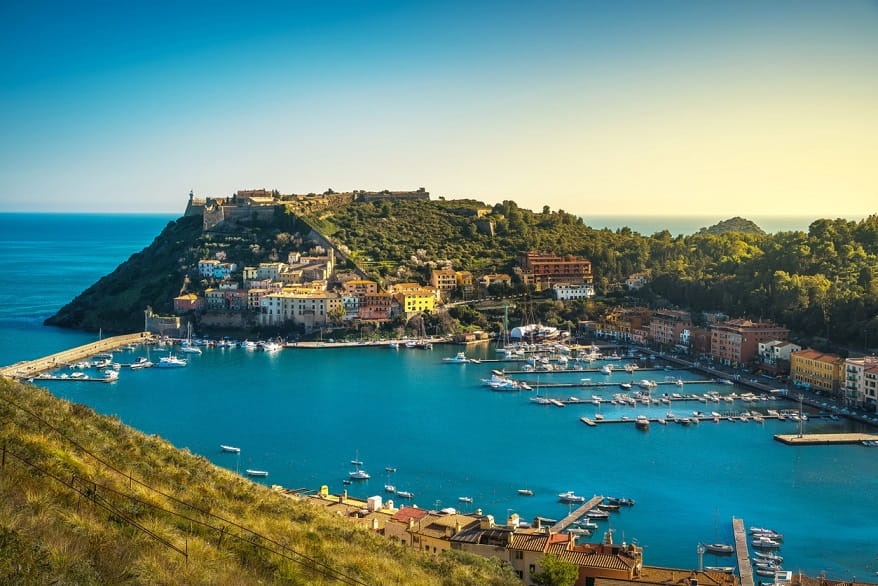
<point>823,282</point>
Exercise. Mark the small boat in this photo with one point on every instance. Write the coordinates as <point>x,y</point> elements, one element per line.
<point>404,494</point>
<point>625,502</point>
<point>171,361</point>
<point>230,449</point>
<point>570,497</point>
<point>357,462</point>
<point>722,548</point>
<point>271,346</point>
<point>765,542</point>
<point>256,472</point>
<point>389,488</point>
<point>768,556</point>
<point>459,358</point>
<point>359,475</point>
<point>597,514</point>
<point>611,507</point>
<point>390,469</point>
<point>525,492</point>
<point>141,362</point>
<point>625,386</point>
<point>641,422</point>
<point>465,499</point>
<point>720,569</point>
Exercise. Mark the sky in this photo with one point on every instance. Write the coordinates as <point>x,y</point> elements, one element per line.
<point>647,107</point>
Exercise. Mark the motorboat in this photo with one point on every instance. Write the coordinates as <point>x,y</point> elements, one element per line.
<point>262,473</point>
<point>171,361</point>
<point>722,548</point>
<point>141,362</point>
<point>459,358</point>
<point>271,346</point>
<point>359,474</point>
<point>525,492</point>
<point>765,542</point>
<point>389,488</point>
<point>597,514</point>
<point>230,449</point>
<point>625,502</point>
<point>404,494</point>
<point>768,556</point>
<point>570,497</point>
<point>625,386</point>
<point>465,499</point>
<point>642,422</point>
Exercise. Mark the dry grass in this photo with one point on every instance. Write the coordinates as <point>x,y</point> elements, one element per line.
<point>158,515</point>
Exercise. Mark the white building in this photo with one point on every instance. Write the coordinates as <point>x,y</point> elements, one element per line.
<point>309,308</point>
<point>771,352</point>
<point>861,382</point>
<point>570,291</point>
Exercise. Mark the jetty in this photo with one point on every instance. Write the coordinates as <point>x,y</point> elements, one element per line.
<point>824,439</point>
<point>30,368</point>
<point>576,515</point>
<point>745,570</point>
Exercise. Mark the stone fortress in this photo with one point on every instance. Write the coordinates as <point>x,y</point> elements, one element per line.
<point>262,204</point>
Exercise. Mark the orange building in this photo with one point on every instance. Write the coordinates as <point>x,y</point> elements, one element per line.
<point>737,341</point>
<point>543,269</point>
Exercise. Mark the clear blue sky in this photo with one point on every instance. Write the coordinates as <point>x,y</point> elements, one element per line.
<point>647,107</point>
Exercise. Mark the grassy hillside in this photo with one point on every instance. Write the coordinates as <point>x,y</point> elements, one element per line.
<point>86,500</point>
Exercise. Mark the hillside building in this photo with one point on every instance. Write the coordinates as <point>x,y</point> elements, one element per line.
<point>737,341</point>
<point>542,270</point>
<point>670,328</point>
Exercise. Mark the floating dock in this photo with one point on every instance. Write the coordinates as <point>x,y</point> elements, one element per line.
<point>576,515</point>
<point>824,439</point>
<point>30,368</point>
<point>745,570</point>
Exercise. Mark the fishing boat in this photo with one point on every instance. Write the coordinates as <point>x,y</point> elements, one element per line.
<point>256,473</point>
<point>230,449</point>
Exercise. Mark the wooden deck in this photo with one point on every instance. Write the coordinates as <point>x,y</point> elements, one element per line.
<point>823,439</point>
<point>745,570</point>
<point>576,515</point>
<point>30,368</point>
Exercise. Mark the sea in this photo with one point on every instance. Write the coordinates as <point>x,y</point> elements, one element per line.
<point>690,224</point>
<point>430,427</point>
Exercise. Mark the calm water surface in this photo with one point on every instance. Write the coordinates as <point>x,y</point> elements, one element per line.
<point>303,415</point>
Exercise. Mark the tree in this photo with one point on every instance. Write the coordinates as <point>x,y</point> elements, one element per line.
<point>555,572</point>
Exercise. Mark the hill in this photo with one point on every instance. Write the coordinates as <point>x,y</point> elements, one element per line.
<point>736,224</point>
<point>87,500</point>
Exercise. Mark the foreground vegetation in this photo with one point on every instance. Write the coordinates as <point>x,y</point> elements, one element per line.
<point>87,500</point>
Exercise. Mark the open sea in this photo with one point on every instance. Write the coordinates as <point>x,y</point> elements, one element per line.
<point>304,414</point>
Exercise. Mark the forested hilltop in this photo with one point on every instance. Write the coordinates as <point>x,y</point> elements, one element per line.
<point>823,283</point>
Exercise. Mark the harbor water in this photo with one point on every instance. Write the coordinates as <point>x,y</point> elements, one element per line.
<point>303,415</point>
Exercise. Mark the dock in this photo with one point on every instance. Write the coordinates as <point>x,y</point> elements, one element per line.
<point>576,515</point>
<point>745,570</point>
<point>30,368</point>
<point>824,439</point>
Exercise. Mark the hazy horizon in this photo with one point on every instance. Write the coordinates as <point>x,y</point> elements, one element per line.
<point>736,108</point>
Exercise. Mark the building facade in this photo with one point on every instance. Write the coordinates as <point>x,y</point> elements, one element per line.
<point>666,327</point>
<point>737,341</point>
<point>816,370</point>
<point>542,270</point>
<point>861,382</point>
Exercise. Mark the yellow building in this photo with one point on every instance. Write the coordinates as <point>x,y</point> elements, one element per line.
<point>414,298</point>
<point>817,370</point>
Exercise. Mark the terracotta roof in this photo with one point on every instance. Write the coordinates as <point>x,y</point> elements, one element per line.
<point>815,355</point>
<point>406,513</point>
<point>529,541</point>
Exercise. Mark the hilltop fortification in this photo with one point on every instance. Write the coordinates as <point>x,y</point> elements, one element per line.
<point>247,206</point>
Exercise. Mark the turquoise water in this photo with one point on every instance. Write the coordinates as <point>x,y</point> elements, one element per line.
<point>304,414</point>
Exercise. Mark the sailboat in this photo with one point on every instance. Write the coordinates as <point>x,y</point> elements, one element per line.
<point>358,473</point>
<point>187,347</point>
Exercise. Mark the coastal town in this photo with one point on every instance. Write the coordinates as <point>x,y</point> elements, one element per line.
<point>323,290</point>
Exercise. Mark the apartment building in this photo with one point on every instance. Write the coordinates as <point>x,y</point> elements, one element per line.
<point>816,370</point>
<point>737,341</point>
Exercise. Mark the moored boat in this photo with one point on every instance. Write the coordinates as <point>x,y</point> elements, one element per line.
<point>459,358</point>
<point>171,361</point>
<point>570,497</point>
<point>256,472</point>
<point>404,494</point>
<point>525,492</point>
<point>642,422</point>
<point>722,548</point>
<point>230,449</point>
